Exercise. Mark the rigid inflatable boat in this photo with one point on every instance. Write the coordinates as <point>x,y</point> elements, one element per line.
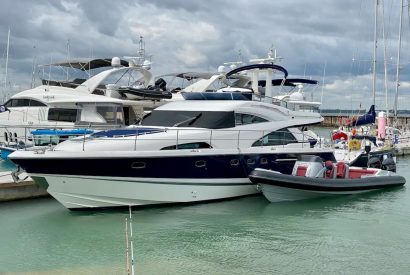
<point>311,178</point>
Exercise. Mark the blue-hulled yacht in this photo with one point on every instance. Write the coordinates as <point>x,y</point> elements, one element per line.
<point>184,151</point>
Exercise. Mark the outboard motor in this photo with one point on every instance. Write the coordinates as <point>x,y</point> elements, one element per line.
<point>374,162</point>
<point>161,84</point>
<point>389,164</point>
<point>308,166</point>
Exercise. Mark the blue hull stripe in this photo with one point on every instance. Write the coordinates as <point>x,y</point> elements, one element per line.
<point>184,167</point>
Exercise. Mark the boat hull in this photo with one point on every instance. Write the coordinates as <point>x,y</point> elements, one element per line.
<point>109,179</point>
<point>279,194</point>
<point>79,192</point>
<point>278,187</point>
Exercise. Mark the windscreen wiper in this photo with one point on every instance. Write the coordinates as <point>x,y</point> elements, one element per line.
<point>191,120</point>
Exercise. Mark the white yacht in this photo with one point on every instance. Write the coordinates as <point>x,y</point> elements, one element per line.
<point>184,151</point>
<point>92,102</point>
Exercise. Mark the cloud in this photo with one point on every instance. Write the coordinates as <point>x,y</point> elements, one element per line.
<point>201,35</point>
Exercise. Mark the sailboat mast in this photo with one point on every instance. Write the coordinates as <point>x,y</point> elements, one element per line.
<point>385,65</point>
<point>7,60</point>
<point>376,6</point>
<point>398,60</point>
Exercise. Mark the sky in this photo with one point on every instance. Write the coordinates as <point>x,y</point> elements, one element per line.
<point>327,40</point>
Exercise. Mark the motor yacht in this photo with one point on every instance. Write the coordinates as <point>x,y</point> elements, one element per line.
<point>184,151</point>
<point>95,101</point>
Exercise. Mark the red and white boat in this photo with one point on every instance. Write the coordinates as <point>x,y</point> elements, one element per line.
<point>312,178</point>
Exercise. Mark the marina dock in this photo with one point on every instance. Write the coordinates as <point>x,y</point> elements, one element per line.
<point>10,190</point>
<point>334,118</point>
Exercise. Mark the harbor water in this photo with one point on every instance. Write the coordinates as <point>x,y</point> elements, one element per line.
<point>360,234</point>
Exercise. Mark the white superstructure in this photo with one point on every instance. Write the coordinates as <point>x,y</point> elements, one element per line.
<point>185,151</point>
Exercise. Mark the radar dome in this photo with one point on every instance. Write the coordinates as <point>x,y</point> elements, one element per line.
<point>221,69</point>
<point>146,65</point>
<point>115,62</point>
<point>233,67</point>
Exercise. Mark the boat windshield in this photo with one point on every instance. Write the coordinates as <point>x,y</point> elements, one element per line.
<point>199,119</point>
<point>108,114</point>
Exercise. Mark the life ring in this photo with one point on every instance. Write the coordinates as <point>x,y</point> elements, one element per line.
<point>354,144</point>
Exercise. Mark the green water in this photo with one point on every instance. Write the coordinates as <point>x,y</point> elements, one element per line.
<point>362,234</point>
<point>6,165</point>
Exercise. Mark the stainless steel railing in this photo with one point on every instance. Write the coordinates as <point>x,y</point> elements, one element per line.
<point>21,137</point>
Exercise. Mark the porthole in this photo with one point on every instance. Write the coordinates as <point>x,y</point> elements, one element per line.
<point>264,161</point>
<point>138,165</point>
<point>200,163</point>
<point>250,161</point>
<point>234,162</point>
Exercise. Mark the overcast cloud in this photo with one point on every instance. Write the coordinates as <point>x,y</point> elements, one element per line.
<point>201,35</point>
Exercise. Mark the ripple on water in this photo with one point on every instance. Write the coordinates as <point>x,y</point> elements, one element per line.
<point>362,234</point>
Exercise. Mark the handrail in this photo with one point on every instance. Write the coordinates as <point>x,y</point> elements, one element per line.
<point>178,135</point>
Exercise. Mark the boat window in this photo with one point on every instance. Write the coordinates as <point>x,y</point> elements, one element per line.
<point>60,114</point>
<point>138,165</point>
<point>200,119</point>
<point>22,102</point>
<point>8,103</point>
<point>200,163</point>
<point>35,103</point>
<point>18,102</point>
<point>111,114</point>
<point>234,162</point>
<point>279,137</point>
<point>243,119</point>
<point>193,145</point>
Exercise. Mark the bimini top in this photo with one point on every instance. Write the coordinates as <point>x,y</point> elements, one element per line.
<point>258,67</point>
<point>292,82</point>
<point>85,64</point>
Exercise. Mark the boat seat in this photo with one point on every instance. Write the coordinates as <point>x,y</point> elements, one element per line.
<point>301,171</point>
<point>329,173</point>
<point>342,170</point>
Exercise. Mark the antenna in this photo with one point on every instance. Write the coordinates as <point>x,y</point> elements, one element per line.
<point>141,59</point>
<point>141,50</point>
<point>323,82</point>
<point>33,68</point>
<point>68,54</point>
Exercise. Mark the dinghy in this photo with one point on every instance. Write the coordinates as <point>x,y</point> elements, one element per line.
<point>312,178</point>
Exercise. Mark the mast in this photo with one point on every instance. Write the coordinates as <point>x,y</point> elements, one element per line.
<point>7,60</point>
<point>398,61</point>
<point>385,65</point>
<point>323,82</point>
<point>375,50</point>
